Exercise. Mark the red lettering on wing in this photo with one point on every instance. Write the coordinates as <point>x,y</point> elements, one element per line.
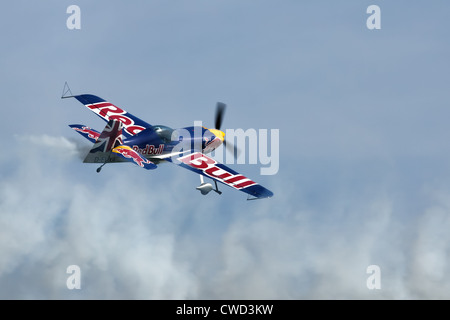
<point>245,184</point>
<point>105,107</point>
<point>198,161</point>
<point>126,121</point>
<point>222,174</point>
<point>209,168</point>
<point>109,111</point>
<point>134,129</point>
<point>236,178</point>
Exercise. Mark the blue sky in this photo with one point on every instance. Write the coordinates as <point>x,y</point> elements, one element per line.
<point>364,159</point>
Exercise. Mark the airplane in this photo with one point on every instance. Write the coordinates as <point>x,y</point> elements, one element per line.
<point>128,138</point>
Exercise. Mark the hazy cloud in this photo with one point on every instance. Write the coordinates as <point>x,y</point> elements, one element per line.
<point>132,240</point>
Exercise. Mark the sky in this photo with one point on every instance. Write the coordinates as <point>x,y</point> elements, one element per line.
<point>363,179</point>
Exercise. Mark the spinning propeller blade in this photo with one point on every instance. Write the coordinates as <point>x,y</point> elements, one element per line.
<point>220,111</point>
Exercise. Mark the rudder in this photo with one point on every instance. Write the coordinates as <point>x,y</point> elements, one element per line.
<point>110,137</point>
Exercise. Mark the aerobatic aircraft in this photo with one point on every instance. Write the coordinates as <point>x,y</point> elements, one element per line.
<point>128,138</point>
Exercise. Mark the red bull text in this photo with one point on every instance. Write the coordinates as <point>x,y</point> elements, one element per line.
<point>127,152</point>
<point>149,149</point>
<point>109,111</point>
<point>209,167</point>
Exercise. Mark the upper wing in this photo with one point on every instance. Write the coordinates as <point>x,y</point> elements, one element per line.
<point>107,111</point>
<point>208,167</point>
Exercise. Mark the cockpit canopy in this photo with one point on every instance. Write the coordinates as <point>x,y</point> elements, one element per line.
<point>164,132</point>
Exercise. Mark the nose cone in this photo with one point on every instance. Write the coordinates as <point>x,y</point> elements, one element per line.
<point>219,134</point>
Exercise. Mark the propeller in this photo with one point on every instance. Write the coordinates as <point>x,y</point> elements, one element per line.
<point>220,111</point>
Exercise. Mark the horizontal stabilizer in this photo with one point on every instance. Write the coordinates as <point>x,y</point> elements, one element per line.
<point>90,134</point>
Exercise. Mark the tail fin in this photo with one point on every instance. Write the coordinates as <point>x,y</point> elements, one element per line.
<point>109,138</point>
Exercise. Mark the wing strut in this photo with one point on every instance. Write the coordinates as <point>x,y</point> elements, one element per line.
<point>217,188</point>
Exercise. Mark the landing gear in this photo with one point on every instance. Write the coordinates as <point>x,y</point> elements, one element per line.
<point>107,159</point>
<point>206,188</point>
<point>100,168</point>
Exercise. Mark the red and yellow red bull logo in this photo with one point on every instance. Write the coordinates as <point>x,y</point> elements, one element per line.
<point>86,130</point>
<point>129,153</point>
